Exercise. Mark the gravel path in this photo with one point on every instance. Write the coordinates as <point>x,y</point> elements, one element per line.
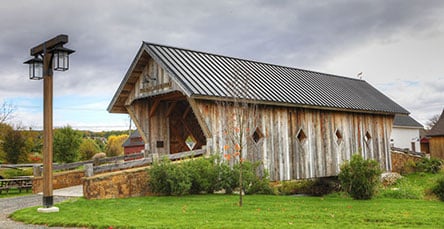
<point>10,205</point>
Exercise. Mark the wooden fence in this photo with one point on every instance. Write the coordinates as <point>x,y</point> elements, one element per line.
<point>69,166</point>
<point>90,169</point>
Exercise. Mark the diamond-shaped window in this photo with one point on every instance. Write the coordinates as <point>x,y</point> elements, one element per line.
<point>367,136</point>
<point>302,137</point>
<point>190,142</point>
<point>339,138</point>
<point>257,135</point>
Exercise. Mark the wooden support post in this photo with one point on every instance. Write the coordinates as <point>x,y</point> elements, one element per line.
<point>47,131</point>
<point>89,170</point>
<point>154,107</point>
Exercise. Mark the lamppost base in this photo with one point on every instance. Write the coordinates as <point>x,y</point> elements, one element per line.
<point>48,210</point>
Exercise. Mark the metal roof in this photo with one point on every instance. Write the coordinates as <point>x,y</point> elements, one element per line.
<point>209,76</point>
<point>406,121</point>
<point>134,140</point>
<point>438,128</point>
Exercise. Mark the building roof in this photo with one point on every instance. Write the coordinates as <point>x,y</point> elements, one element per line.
<point>208,76</point>
<point>406,121</point>
<point>438,128</point>
<point>134,140</point>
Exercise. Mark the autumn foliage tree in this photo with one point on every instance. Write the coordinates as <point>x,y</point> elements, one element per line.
<point>114,146</point>
<point>14,146</point>
<point>88,148</point>
<point>240,117</point>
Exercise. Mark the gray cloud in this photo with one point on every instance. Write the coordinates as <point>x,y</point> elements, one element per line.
<point>107,34</point>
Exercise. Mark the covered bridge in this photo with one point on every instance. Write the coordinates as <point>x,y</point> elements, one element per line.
<point>305,123</point>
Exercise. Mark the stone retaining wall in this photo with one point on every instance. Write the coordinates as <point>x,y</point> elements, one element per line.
<point>401,161</point>
<point>119,184</point>
<point>60,180</point>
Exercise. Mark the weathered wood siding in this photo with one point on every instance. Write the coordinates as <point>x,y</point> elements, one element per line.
<point>304,143</point>
<point>436,144</point>
<point>147,114</point>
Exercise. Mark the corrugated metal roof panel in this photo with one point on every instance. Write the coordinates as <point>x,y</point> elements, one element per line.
<point>406,121</point>
<point>206,74</point>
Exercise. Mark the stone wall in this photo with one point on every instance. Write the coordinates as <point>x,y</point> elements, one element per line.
<point>60,180</point>
<point>401,161</point>
<point>119,184</point>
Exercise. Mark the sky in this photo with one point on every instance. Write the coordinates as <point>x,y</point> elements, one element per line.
<point>398,45</point>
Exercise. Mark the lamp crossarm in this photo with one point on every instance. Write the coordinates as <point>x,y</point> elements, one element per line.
<point>49,44</point>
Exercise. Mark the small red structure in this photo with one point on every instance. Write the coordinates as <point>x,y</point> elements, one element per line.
<point>134,144</point>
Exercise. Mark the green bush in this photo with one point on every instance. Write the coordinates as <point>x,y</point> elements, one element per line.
<point>204,175</point>
<point>252,183</point>
<point>438,189</point>
<point>227,179</point>
<point>11,173</point>
<point>429,165</point>
<point>359,177</point>
<point>315,187</point>
<point>169,179</point>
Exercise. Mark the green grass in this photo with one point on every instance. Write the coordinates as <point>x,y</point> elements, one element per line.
<point>412,186</point>
<point>14,193</point>
<point>222,211</point>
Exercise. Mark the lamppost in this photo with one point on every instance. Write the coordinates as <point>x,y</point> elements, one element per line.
<point>48,55</point>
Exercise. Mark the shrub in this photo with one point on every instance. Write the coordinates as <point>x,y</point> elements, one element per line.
<point>11,173</point>
<point>429,165</point>
<point>359,177</point>
<point>316,187</point>
<point>226,177</point>
<point>199,175</point>
<point>252,183</point>
<point>438,189</point>
<point>203,175</point>
<point>168,179</point>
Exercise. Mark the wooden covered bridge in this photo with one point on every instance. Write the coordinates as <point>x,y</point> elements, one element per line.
<point>305,123</point>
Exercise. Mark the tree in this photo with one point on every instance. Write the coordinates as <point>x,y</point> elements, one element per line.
<point>14,146</point>
<point>4,128</point>
<point>114,146</point>
<point>432,121</point>
<point>6,112</point>
<point>240,121</point>
<point>88,148</point>
<point>66,144</point>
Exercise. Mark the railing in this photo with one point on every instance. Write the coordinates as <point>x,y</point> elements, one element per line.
<point>69,166</point>
<point>90,170</point>
<point>109,163</point>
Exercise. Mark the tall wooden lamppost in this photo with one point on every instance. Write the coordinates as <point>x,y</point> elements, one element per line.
<point>48,55</point>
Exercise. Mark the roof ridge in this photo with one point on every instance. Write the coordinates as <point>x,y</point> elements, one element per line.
<point>252,61</point>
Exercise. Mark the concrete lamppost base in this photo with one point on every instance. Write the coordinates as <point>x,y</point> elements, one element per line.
<point>48,210</point>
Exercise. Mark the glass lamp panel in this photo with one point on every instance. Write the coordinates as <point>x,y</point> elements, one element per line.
<point>36,70</point>
<point>61,61</point>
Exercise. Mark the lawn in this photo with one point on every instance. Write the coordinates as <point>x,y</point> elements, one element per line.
<point>14,193</point>
<point>259,211</point>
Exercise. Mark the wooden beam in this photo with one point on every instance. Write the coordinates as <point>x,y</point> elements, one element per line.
<point>185,114</point>
<point>49,44</point>
<point>132,114</point>
<point>170,108</point>
<point>154,107</point>
<point>200,120</point>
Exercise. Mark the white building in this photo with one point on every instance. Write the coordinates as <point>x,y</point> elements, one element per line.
<point>405,133</point>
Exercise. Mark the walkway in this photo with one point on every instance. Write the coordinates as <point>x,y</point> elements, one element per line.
<point>10,205</point>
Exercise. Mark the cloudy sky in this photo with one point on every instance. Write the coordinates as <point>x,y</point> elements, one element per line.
<point>397,44</point>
